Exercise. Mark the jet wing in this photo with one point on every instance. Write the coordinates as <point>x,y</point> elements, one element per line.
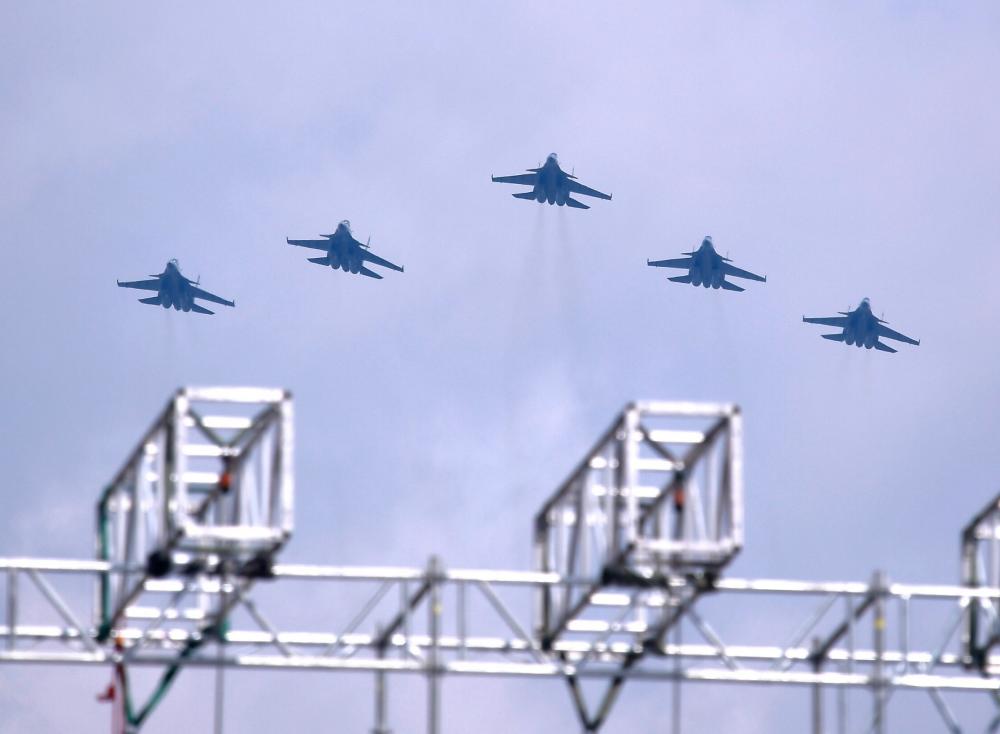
<point>677,262</point>
<point>888,333</point>
<point>205,295</point>
<point>840,321</point>
<point>526,179</point>
<point>738,273</point>
<point>144,285</point>
<point>314,244</point>
<point>373,258</point>
<point>578,188</point>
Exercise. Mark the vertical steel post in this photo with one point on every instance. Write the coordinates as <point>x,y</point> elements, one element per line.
<point>11,608</point>
<point>433,670</point>
<point>542,599</point>
<point>842,708</point>
<point>879,586</point>
<point>970,577</point>
<point>678,640</point>
<point>461,607</point>
<point>220,673</point>
<point>616,494</point>
<point>380,717</point>
<point>995,551</point>
<point>380,694</point>
<point>630,474</point>
<point>219,691</point>
<point>904,634</point>
<point>817,691</point>
<point>174,500</point>
<point>404,615</point>
<point>849,602</point>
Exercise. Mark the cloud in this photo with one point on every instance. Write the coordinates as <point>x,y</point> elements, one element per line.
<point>844,151</point>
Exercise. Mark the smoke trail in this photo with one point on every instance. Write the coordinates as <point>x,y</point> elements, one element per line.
<point>170,343</point>
<point>523,323</point>
<point>866,390</point>
<point>568,305</point>
<point>724,345</point>
<point>529,290</point>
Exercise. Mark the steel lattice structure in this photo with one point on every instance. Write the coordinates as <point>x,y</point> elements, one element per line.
<point>628,586</point>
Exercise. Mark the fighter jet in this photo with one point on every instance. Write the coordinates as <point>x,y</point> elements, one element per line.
<point>173,289</point>
<point>706,268</point>
<point>552,184</point>
<point>861,328</point>
<point>345,252</point>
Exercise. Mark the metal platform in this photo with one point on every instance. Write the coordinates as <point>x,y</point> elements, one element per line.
<point>208,491</point>
<point>660,494</point>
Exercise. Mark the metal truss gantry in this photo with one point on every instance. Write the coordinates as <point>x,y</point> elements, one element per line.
<point>628,586</point>
<point>208,490</point>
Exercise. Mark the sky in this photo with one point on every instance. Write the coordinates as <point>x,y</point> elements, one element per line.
<point>843,149</point>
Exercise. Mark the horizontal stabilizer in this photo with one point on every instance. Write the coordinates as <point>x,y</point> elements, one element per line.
<point>884,347</point>
<point>369,273</point>
<point>834,337</point>
<point>726,285</point>
<point>680,279</point>
<point>525,195</point>
<point>575,204</point>
<point>153,301</point>
<point>319,260</point>
<point>200,309</point>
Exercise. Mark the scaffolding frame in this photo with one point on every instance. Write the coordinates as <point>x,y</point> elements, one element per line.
<point>433,621</point>
<point>628,587</point>
<point>210,484</point>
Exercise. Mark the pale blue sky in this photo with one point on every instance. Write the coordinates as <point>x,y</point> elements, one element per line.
<point>845,150</point>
